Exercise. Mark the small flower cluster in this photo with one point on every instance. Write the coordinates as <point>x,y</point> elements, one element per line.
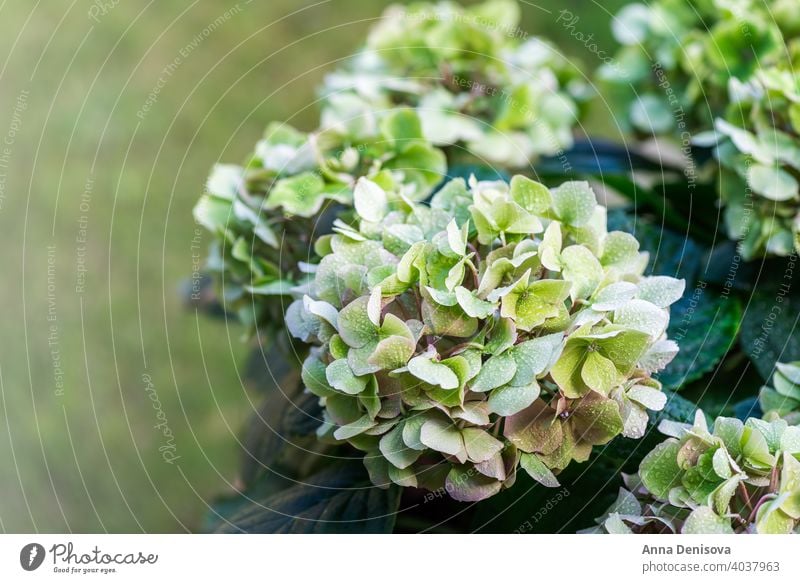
<point>267,214</point>
<point>499,326</point>
<point>735,478</point>
<point>476,82</point>
<point>679,57</point>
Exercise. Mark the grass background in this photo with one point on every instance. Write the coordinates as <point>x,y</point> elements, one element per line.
<point>88,459</point>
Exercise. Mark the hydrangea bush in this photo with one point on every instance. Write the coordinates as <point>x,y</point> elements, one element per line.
<point>478,82</point>
<point>499,327</point>
<point>735,477</point>
<point>450,333</point>
<point>267,214</point>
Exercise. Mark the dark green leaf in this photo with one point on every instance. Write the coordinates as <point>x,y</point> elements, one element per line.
<point>770,330</point>
<point>705,324</point>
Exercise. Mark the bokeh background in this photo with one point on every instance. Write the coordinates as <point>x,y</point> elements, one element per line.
<point>105,375</point>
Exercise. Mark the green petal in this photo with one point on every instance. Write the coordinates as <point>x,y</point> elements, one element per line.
<point>457,238</point>
<point>599,373</point>
<point>370,200</point>
<point>772,182</point>
<point>472,305</point>
<point>314,376</point>
<point>649,397</point>
<point>582,269</point>
<point>496,372</point>
<point>729,430</point>
<point>442,435</point>
<point>355,326</point>
<point>341,378</point>
<point>531,463</point>
<point>401,125</point>
<point>659,469</point>
<point>790,486</point>
<point>395,450</point>
<point>574,203</point>
<point>533,357</point>
<point>411,431</point>
<point>770,519</point>
<point>510,400</point>
<point>470,486</point>
<point>596,419</point>
<point>614,296</point>
<point>357,427</point>
<point>300,195</point>
<point>642,316</point>
<point>530,195</point>
<point>624,349</point>
<point>566,372</point>
<point>405,477</point>
<point>213,213</point>
<point>620,250</point>
<point>433,373</point>
<point>660,290</point>
<point>704,520</point>
<point>534,429</point>
<point>392,352</point>
<point>479,444</point>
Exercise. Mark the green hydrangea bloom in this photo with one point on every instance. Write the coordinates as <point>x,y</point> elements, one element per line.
<point>758,147</point>
<point>267,215</point>
<point>735,478</point>
<point>678,58</point>
<point>721,73</point>
<point>475,78</point>
<point>500,326</point>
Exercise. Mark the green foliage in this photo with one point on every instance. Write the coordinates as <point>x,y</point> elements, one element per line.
<point>475,83</point>
<point>738,477</point>
<point>453,353</point>
<point>268,214</point>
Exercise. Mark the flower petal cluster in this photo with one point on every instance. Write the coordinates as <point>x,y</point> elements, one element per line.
<point>267,214</point>
<point>473,75</point>
<point>499,326</point>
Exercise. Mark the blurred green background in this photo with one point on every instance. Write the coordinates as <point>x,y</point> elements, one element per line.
<point>98,356</point>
